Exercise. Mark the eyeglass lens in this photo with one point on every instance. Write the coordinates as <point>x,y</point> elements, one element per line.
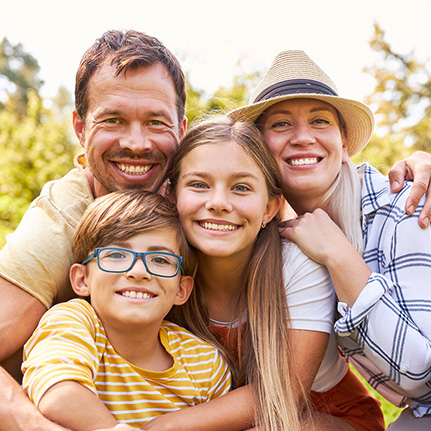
<point>122,260</point>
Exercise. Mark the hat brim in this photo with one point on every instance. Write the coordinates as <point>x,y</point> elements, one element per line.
<point>357,116</point>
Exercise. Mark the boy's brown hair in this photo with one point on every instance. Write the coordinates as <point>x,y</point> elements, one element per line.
<point>121,215</point>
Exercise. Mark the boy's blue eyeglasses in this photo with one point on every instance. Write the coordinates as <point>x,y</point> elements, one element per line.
<point>117,260</point>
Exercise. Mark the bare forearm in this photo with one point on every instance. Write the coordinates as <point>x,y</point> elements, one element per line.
<point>349,274</point>
<point>17,412</point>
<point>231,412</point>
<point>74,406</point>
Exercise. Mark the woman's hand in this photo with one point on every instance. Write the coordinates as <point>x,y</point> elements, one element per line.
<point>416,167</point>
<point>316,235</point>
<point>323,241</point>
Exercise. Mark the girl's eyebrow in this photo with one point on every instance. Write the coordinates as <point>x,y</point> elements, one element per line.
<point>202,174</point>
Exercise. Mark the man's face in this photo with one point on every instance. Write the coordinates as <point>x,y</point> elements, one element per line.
<point>131,128</point>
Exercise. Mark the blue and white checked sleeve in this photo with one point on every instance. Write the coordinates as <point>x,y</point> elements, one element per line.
<point>391,319</point>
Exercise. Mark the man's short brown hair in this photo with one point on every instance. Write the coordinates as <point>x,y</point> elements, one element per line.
<point>127,50</point>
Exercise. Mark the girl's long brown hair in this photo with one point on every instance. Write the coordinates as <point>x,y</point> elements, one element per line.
<point>264,357</point>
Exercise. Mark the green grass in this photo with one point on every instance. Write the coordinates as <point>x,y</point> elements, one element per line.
<point>390,411</point>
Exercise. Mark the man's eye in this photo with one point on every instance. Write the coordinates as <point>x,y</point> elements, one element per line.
<point>112,120</point>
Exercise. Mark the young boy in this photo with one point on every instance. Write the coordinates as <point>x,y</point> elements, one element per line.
<point>116,360</point>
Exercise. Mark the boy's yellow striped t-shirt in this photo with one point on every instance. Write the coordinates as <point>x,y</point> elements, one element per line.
<point>70,343</point>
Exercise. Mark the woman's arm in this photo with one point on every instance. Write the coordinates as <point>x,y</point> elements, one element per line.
<point>417,167</point>
<point>391,307</point>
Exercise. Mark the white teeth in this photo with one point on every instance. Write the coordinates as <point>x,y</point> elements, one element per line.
<point>222,227</point>
<point>300,162</point>
<point>133,169</point>
<point>138,295</point>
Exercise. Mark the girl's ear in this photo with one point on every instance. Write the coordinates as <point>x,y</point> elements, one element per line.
<point>184,290</point>
<point>272,208</point>
<point>78,279</point>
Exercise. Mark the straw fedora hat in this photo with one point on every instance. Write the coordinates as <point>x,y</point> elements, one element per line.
<point>293,75</point>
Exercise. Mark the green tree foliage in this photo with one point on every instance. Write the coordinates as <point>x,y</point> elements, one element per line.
<point>35,142</point>
<point>224,99</point>
<point>401,101</point>
<point>19,71</point>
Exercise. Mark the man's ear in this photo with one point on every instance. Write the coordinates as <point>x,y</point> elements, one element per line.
<point>78,279</point>
<point>184,290</point>
<point>183,127</point>
<point>78,126</point>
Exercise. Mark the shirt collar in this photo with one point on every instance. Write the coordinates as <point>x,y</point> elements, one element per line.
<point>375,190</point>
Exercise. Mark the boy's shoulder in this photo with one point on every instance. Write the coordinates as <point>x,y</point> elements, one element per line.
<point>179,337</point>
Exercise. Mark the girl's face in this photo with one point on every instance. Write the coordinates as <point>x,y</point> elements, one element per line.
<point>222,199</point>
<point>305,137</point>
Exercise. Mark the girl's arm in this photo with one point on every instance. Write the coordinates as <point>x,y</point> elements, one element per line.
<point>231,412</point>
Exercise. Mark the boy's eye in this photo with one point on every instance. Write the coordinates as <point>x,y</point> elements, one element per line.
<point>162,260</point>
<point>117,255</point>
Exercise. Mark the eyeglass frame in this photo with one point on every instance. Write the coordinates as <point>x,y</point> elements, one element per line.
<point>136,255</point>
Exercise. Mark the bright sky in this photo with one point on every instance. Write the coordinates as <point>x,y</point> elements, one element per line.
<point>210,37</point>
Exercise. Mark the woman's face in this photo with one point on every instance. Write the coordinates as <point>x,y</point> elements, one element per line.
<point>222,200</point>
<point>305,137</point>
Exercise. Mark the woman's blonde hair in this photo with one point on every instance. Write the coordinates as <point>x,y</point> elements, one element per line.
<point>343,200</point>
<point>265,356</point>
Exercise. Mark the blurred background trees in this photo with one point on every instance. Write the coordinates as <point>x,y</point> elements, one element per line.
<point>37,143</point>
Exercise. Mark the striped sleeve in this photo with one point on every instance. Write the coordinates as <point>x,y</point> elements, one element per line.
<point>63,347</point>
<point>203,363</point>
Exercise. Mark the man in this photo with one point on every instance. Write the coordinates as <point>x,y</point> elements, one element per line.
<point>129,117</point>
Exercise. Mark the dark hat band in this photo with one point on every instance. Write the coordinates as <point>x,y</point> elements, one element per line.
<point>295,86</point>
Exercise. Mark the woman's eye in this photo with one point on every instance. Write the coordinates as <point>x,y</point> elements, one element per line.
<point>280,125</point>
<point>321,121</point>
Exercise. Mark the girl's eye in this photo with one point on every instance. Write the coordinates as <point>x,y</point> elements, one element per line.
<point>241,188</point>
<point>198,185</point>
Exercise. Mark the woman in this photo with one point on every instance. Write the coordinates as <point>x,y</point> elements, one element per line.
<point>264,303</point>
<point>378,257</point>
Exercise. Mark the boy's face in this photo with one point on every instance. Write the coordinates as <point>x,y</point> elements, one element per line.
<point>133,298</point>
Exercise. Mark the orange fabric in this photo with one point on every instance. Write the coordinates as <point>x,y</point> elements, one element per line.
<point>350,401</point>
